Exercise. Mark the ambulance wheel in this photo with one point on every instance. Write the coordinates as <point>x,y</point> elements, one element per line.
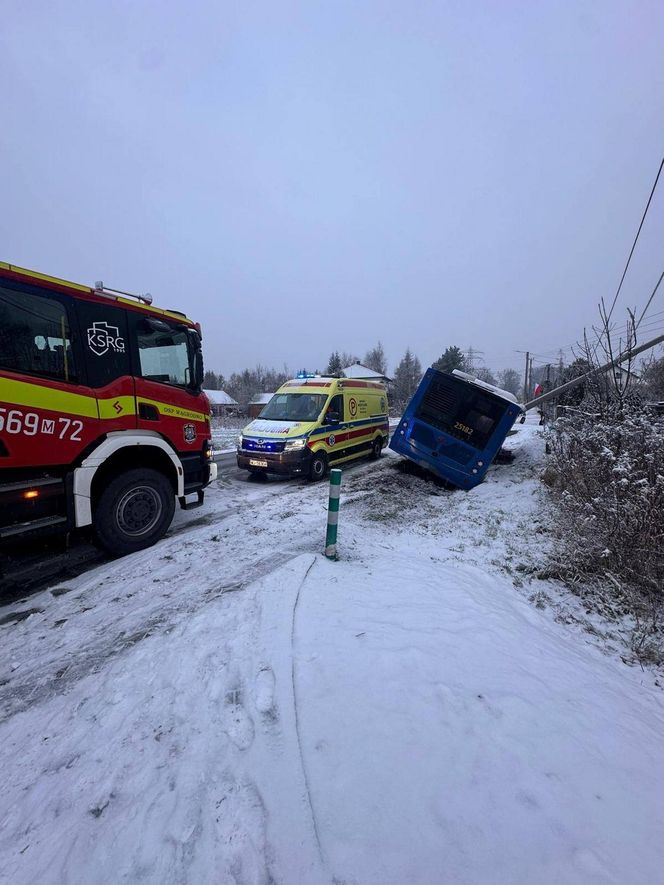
<point>318,467</point>
<point>377,448</point>
<point>134,511</point>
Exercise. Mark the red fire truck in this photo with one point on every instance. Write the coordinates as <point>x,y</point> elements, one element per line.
<point>103,423</point>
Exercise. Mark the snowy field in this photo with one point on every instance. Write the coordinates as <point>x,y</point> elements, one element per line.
<point>225,433</point>
<point>229,707</point>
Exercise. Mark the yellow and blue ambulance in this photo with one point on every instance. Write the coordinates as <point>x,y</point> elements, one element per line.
<point>314,423</point>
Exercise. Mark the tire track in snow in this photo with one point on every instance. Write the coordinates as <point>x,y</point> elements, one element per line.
<point>297,717</point>
<point>42,682</point>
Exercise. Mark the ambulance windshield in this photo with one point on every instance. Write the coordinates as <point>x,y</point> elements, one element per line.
<point>294,407</point>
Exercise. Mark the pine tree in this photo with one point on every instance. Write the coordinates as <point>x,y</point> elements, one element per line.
<point>452,358</point>
<point>407,376</point>
<point>334,364</point>
<point>375,359</point>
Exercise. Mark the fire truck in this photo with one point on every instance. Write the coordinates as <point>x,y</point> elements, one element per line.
<point>103,424</point>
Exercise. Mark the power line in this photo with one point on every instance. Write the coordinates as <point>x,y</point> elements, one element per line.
<point>650,299</point>
<point>643,218</point>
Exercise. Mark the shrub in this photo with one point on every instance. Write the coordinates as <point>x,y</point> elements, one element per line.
<point>607,477</point>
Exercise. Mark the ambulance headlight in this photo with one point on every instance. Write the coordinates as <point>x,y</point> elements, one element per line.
<point>294,444</point>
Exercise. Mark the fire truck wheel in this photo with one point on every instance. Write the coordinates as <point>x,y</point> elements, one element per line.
<point>377,448</point>
<point>134,511</point>
<point>318,467</point>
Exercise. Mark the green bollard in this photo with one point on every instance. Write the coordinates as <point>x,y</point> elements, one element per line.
<point>333,514</point>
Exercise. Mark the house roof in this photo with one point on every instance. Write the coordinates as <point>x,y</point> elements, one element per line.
<point>219,398</point>
<point>260,398</point>
<point>357,370</point>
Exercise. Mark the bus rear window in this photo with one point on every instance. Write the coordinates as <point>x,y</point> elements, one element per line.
<point>462,410</point>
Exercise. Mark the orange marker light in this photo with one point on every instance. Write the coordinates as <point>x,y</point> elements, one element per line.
<point>33,493</point>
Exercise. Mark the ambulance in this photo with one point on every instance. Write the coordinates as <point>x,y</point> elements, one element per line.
<point>314,423</point>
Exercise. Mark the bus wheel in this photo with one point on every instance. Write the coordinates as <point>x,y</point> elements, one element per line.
<point>134,511</point>
<point>377,448</point>
<point>318,467</point>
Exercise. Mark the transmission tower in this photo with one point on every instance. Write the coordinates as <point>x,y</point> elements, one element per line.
<point>472,356</point>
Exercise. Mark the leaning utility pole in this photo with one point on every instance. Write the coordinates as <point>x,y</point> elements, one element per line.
<point>621,358</point>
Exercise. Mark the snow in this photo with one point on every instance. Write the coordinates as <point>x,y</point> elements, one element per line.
<point>231,707</point>
<point>358,371</point>
<point>496,391</point>
<point>224,439</point>
<point>219,397</point>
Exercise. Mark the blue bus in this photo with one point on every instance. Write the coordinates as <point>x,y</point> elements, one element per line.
<point>454,426</point>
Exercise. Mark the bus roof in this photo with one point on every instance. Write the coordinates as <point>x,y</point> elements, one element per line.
<point>491,388</point>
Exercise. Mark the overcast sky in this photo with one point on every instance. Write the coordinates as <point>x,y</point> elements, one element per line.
<point>303,177</point>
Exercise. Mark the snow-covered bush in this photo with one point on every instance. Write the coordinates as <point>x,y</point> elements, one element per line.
<point>608,480</point>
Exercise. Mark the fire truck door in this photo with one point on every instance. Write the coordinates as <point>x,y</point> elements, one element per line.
<point>166,399</point>
<point>48,414</point>
<point>105,340</point>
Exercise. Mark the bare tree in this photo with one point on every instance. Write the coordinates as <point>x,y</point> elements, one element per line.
<point>407,376</point>
<point>485,374</point>
<point>510,380</point>
<point>375,359</point>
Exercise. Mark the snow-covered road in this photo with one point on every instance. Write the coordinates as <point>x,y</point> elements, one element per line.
<point>230,707</point>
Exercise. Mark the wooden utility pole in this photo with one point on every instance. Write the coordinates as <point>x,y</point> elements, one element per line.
<point>530,376</point>
<point>526,385</point>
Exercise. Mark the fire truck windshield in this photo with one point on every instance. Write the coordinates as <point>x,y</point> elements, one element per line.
<point>167,353</point>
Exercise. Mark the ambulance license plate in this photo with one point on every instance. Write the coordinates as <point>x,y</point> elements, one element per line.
<point>253,463</point>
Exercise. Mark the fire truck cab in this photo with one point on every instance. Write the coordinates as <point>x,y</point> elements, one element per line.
<point>103,423</point>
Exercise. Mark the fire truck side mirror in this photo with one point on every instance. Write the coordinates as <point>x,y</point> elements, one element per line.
<point>198,369</point>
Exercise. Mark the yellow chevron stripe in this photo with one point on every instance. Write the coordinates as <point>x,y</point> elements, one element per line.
<point>118,407</point>
<point>21,393</point>
<point>171,411</point>
<point>42,276</point>
<point>35,275</point>
<point>36,396</point>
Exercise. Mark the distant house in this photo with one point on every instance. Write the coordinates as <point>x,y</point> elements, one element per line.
<point>363,373</point>
<point>258,403</point>
<point>221,403</point>
<point>622,375</point>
